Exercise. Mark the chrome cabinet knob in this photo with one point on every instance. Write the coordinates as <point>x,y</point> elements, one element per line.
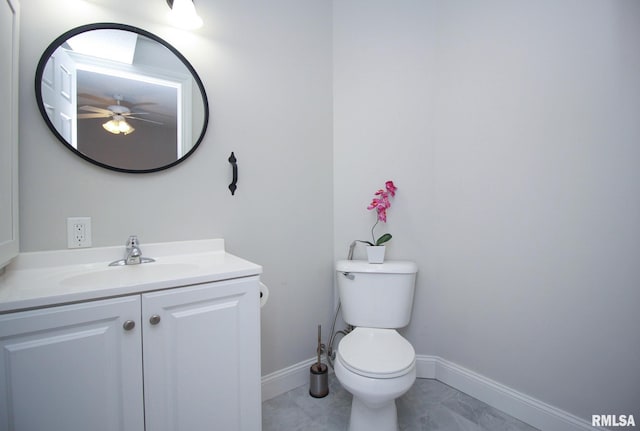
<point>154,320</point>
<point>128,325</point>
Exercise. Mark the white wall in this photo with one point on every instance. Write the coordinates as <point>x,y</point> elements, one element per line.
<point>511,129</point>
<point>267,71</point>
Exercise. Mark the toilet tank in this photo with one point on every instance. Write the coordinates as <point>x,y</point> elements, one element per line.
<point>376,295</point>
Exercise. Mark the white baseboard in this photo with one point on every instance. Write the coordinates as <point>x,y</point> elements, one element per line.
<point>523,407</point>
<point>284,380</point>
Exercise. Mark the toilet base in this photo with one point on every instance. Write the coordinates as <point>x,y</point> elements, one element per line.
<point>374,400</point>
<point>381,418</point>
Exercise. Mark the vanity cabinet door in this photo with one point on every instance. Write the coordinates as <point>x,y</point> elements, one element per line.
<point>72,368</point>
<point>202,357</point>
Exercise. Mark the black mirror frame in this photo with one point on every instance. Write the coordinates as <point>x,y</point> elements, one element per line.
<point>115,26</point>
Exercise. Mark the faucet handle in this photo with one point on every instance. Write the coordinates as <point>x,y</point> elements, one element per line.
<point>133,254</point>
<point>132,241</point>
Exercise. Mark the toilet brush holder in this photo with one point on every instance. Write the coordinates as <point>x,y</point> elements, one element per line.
<point>319,378</point>
<point>319,381</point>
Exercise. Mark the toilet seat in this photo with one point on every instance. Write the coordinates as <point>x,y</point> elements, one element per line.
<point>376,353</point>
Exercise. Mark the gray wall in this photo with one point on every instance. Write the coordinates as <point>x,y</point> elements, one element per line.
<point>266,69</point>
<point>511,129</point>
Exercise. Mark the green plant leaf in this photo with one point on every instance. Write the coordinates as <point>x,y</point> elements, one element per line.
<point>384,238</point>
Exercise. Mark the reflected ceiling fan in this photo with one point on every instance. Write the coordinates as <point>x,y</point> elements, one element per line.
<point>119,115</point>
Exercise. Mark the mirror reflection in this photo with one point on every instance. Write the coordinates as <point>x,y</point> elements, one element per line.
<point>121,98</point>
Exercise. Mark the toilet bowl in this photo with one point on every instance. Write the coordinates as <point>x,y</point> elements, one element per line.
<point>376,366</point>
<point>374,362</point>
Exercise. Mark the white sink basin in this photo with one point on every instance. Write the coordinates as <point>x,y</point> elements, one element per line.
<point>129,275</point>
<point>56,277</point>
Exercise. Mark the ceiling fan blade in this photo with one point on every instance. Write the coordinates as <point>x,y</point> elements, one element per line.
<point>168,116</point>
<point>143,119</point>
<point>95,109</point>
<point>85,116</point>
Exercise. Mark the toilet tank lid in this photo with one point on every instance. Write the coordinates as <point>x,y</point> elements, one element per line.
<point>388,267</point>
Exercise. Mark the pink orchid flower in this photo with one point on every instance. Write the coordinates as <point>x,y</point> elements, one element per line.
<point>382,215</point>
<point>381,204</point>
<point>391,187</point>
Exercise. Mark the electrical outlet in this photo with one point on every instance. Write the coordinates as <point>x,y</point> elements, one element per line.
<point>78,232</point>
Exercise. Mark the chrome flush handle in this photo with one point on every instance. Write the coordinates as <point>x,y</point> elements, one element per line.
<point>349,275</point>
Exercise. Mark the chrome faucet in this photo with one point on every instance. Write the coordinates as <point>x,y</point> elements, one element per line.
<point>133,254</point>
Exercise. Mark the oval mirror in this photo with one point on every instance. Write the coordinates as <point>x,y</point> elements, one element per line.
<point>121,98</point>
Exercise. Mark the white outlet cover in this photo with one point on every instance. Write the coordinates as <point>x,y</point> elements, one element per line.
<point>78,232</point>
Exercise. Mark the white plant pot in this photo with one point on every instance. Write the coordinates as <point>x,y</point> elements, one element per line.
<point>375,253</point>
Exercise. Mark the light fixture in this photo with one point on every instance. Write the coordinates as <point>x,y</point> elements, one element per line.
<point>183,14</point>
<point>118,125</point>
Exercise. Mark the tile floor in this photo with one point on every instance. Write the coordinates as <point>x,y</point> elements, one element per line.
<point>429,405</point>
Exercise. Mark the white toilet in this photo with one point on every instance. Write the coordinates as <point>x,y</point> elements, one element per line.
<point>375,363</point>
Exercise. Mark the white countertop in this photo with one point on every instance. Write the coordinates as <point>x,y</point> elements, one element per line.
<point>47,278</point>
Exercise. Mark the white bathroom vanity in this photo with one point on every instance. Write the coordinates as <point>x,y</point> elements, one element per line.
<point>163,346</point>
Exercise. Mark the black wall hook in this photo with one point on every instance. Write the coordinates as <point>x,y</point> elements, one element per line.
<point>232,186</point>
